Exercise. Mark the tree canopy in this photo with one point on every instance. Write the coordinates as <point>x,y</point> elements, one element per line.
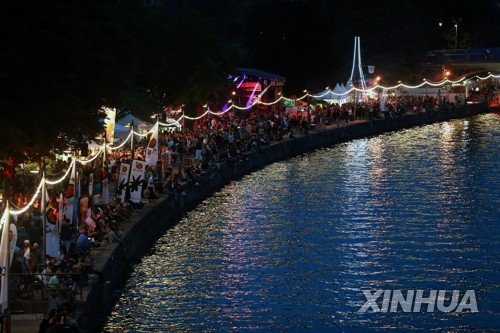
<point>64,60</point>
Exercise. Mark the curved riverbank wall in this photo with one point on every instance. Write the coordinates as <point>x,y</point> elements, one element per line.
<point>145,228</point>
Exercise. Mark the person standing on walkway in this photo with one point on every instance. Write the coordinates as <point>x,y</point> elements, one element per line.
<point>151,188</point>
<point>84,206</point>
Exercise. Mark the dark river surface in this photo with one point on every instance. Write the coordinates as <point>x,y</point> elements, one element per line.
<point>292,246</point>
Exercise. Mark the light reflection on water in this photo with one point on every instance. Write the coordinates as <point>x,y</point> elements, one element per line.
<point>290,247</point>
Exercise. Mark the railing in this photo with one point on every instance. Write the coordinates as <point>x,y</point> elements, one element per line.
<point>33,287</point>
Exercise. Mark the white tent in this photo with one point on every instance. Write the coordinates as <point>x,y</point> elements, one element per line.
<point>340,94</point>
<point>121,132</point>
<point>139,125</point>
<point>119,129</point>
<point>327,96</point>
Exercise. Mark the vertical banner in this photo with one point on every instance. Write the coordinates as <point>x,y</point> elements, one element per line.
<point>60,214</point>
<point>91,184</point>
<point>70,195</point>
<point>52,241</point>
<point>4,259</point>
<point>123,181</point>
<point>13,241</point>
<point>76,200</point>
<point>152,150</point>
<point>109,123</point>
<point>136,180</point>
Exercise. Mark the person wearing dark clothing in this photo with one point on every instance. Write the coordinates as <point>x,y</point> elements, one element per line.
<point>151,188</point>
<point>22,235</point>
<point>66,235</point>
<point>35,232</point>
<point>44,325</point>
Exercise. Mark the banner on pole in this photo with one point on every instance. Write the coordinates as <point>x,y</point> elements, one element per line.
<point>136,180</point>
<point>52,241</point>
<point>123,181</point>
<point>109,123</point>
<point>152,150</point>
<point>4,259</point>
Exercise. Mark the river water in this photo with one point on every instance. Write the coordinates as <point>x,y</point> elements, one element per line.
<point>292,246</point>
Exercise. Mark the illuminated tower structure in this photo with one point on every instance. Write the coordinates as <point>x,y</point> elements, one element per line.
<point>357,69</point>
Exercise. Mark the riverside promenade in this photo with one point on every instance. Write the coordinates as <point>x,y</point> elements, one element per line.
<point>145,226</point>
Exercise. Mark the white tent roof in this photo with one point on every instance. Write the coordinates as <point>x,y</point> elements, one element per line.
<point>121,129</point>
<point>337,89</point>
<point>138,123</point>
<point>343,88</point>
<point>326,95</point>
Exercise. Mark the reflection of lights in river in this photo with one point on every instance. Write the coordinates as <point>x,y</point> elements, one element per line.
<point>291,245</point>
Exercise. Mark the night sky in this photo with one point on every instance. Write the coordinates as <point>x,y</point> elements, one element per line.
<point>311,41</point>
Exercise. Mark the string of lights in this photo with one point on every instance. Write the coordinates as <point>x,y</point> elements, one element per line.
<point>49,182</point>
<point>32,200</point>
<point>176,122</point>
<point>121,144</point>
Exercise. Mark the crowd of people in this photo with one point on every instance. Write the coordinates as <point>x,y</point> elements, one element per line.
<point>188,159</point>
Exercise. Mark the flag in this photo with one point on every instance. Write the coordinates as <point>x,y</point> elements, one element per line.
<point>4,259</point>
<point>123,181</point>
<point>52,242</point>
<point>91,184</point>
<point>152,150</point>
<point>109,123</point>
<point>76,198</point>
<point>70,195</point>
<point>136,180</point>
<point>61,213</point>
<point>13,241</point>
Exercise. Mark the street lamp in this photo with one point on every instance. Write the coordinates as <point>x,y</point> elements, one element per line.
<point>457,21</point>
<point>307,99</point>
<point>132,148</point>
<point>456,36</point>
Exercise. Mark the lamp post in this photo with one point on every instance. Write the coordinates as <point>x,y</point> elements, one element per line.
<point>307,99</point>
<point>158,154</point>
<point>42,208</point>
<point>456,21</point>
<point>132,153</point>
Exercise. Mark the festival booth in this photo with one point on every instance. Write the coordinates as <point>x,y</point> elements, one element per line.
<point>254,86</point>
<point>295,108</point>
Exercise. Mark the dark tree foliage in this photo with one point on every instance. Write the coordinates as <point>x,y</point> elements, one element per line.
<point>63,60</point>
<point>192,67</point>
